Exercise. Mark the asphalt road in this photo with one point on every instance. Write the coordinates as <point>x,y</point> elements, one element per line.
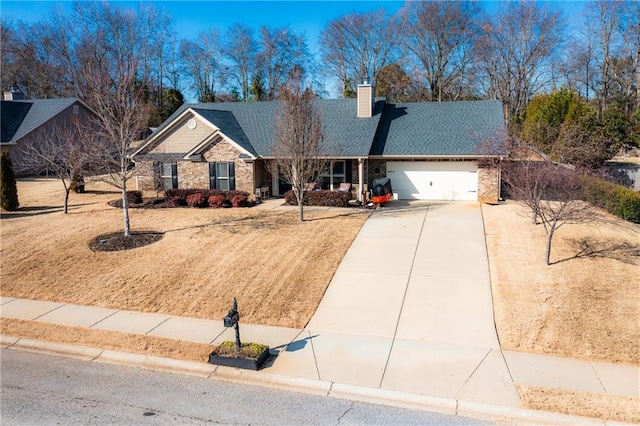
<point>41,389</point>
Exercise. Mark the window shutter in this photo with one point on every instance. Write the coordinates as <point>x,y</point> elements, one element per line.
<point>212,176</point>
<point>347,171</point>
<point>232,176</point>
<point>174,174</point>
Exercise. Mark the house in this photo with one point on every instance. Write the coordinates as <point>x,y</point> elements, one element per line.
<point>430,151</point>
<point>23,120</point>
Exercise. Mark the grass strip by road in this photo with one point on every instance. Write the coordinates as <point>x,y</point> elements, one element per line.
<point>602,406</point>
<point>102,339</point>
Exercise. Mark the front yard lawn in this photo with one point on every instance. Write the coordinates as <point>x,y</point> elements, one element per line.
<point>277,267</point>
<point>586,306</point>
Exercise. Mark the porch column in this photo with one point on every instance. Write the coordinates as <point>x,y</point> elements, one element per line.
<point>360,179</point>
<point>275,181</point>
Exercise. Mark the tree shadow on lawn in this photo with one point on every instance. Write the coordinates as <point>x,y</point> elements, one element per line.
<point>30,211</point>
<point>588,247</point>
<point>258,221</point>
<point>100,192</point>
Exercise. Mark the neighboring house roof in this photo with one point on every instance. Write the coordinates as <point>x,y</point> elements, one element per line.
<point>427,129</point>
<point>11,117</point>
<point>438,128</point>
<point>20,118</point>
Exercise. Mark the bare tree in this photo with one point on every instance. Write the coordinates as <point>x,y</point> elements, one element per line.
<point>441,35</point>
<point>630,29</point>
<point>604,17</point>
<point>515,50</point>
<point>104,52</point>
<point>397,85</point>
<point>282,51</point>
<point>201,61</point>
<point>357,46</point>
<point>552,192</point>
<point>241,49</point>
<point>59,150</point>
<point>299,136</point>
<point>29,63</point>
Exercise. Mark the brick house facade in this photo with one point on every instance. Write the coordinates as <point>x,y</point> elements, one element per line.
<point>228,144</point>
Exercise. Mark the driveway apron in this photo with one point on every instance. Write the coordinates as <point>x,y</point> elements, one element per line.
<point>410,309</point>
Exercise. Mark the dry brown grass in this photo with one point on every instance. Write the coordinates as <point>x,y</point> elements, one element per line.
<point>102,339</point>
<point>277,267</point>
<point>601,406</point>
<point>586,307</point>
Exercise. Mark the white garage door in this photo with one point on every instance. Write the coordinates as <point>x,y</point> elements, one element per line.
<point>434,180</point>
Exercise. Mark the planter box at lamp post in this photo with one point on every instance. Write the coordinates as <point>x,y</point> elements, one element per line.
<point>245,363</point>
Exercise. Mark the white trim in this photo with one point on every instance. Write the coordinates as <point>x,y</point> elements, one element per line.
<point>360,179</point>
<point>224,137</point>
<point>180,120</point>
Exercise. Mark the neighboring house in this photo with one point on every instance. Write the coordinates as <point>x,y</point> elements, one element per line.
<point>430,151</point>
<point>624,173</point>
<point>22,121</point>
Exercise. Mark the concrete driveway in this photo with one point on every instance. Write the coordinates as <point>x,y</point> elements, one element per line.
<point>417,272</point>
<point>413,294</point>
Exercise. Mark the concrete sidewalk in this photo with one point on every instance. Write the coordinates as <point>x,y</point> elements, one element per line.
<point>467,380</point>
<point>408,312</point>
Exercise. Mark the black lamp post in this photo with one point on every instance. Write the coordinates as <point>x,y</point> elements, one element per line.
<point>232,319</point>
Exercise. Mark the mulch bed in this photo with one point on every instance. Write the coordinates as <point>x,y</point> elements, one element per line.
<point>116,241</point>
<point>148,203</point>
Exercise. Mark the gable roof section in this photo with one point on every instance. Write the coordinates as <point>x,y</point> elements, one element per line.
<point>11,117</point>
<point>252,125</point>
<point>228,125</point>
<point>26,116</point>
<point>438,129</point>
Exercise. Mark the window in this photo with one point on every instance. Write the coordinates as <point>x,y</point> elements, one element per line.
<point>76,110</point>
<point>222,176</point>
<point>169,175</point>
<point>335,176</point>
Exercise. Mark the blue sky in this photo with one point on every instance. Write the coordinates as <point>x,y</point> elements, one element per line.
<point>192,17</point>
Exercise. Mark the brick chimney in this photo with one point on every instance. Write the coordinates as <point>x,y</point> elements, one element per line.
<point>366,99</point>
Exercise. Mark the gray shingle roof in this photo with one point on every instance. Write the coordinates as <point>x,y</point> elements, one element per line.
<point>438,128</point>
<point>252,124</point>
<point>12,116</point>
<point>407,129</point>
<point>22,117</point>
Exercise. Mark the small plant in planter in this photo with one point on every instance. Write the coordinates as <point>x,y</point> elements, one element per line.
<point>237,354</point>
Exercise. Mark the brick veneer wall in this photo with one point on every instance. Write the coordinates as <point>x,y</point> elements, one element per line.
<point>146,176</point>
<point>224,151</point>
<point>195,174</point>
<point>488,184</point>
<point>381,167</point>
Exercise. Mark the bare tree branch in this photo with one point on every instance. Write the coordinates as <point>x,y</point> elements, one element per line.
<point>59,149</point>
<point>551,192</point>
<point>298,151</point>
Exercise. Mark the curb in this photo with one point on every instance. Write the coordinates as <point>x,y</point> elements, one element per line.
<point>296,384</point>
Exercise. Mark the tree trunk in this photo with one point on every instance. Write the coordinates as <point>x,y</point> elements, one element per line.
<point>67,189</point>
<point>301,205</point>
<point>125,212</point>
<point>66,199</point>
<point>547,255</point>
